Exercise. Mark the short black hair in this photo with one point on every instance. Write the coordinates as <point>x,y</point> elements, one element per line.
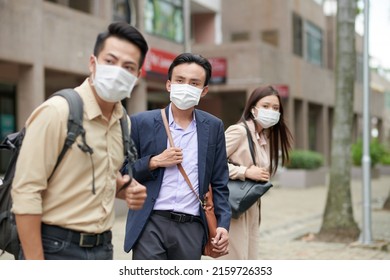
<point>191,58</point>
<point>122,30</point>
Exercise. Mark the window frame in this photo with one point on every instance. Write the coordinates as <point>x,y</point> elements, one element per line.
<point>167,28</point>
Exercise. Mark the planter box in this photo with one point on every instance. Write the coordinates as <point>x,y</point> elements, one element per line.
<point>384,169</point>
<point>357,173</point>
<point>302,178</point>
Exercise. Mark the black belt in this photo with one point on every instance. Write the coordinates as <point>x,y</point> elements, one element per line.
<point>178,217</point>
<point>82,239</point>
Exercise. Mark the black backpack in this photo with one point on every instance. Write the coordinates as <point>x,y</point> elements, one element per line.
<point>9,241</point>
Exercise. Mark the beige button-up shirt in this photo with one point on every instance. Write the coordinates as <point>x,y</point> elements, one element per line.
<point>67,200</point>
<point>238,152</point>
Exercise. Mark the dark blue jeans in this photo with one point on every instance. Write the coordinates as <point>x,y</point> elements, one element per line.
<point>65,248</point>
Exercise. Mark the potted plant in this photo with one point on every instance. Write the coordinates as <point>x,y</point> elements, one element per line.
<point>376,153</point>
<point>305,169</point>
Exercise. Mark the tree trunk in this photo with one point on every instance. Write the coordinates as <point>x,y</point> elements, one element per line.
<point>386,205</point>
<point>338,223</point>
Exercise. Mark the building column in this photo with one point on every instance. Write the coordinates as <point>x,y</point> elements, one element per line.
<point>301,124</point>
<point>30,91</point>
<point>139,98</point>
<point>289,115</point>
<point>305,124</point>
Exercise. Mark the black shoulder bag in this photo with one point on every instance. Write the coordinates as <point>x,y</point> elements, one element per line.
<point>243,194</point>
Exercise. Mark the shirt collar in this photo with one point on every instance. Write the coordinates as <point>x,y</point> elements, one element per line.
<point>170,116</point>
<point>261,138</point>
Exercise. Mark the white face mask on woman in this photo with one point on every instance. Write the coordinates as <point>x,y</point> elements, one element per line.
<point>113,83</point>
<point>185,96</point>
<point>267,117</point>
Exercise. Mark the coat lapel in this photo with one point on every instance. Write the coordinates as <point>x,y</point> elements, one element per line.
<point>159,129</point>
<point>203,141</point>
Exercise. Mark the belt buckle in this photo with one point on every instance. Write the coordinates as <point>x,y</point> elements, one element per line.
<point>180,218</point>
<point>83,237</point>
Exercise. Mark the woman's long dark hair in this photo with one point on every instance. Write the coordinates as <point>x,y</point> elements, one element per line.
<point>279,134</point>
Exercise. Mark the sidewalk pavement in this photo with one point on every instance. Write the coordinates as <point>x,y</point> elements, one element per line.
<point>290,213</point>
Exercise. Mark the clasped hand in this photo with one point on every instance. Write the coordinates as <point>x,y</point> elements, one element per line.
<point>257,173</point>
<point>134,194</point>
<point>221,241</point>
<point>170,157</point>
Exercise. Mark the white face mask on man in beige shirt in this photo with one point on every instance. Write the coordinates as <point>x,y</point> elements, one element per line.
<point>113,83</point>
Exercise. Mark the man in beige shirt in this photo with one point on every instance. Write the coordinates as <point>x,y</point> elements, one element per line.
<point>71,215</point>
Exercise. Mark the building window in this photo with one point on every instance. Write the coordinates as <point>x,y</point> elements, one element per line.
<point>387,100</point>
<point>307,40</point>
<point>270,37</point>
<point>240,36</point>
<point>319,2</point>
<point>82,6</point>
<point>165,18</point>
<point>313,36</point>
<point>297,35</point>
<point>121,10</point>
<point>7,119</point>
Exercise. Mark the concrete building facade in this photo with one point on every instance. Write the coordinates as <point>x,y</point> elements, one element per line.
<point>45,46</point>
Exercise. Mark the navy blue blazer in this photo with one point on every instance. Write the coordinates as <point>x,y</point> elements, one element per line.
<point>150,138</point>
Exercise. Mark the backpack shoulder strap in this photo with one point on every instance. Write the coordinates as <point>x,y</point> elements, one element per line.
<point>125,132</point>
<point>129,148</point>
<point>75,121</point>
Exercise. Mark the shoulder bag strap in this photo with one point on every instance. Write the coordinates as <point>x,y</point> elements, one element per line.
<point>172,144</point>
<point>250,142</point>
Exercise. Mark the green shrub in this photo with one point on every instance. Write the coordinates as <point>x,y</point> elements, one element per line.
<point>376,152</point>
<point>385,158</point>
<point>303,159</point>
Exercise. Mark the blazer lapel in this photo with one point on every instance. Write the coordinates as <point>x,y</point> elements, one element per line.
<point>203,141</point>
<point>159,129</point>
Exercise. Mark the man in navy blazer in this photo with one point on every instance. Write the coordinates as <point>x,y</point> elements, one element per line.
<point>172,224</point>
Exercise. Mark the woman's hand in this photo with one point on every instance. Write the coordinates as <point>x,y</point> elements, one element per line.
<point>257,173</point>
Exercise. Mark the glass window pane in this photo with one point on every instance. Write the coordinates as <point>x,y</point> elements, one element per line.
<point>121,11</point>
<point>313,43</point>
<point>7,119</point>
<point>165,18</point>
<point>320,2</point>
<point>297,33</point>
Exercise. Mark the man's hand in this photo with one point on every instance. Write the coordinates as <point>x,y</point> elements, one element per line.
<point>134,194</point>
<point>221,241</point>
<point>170,157</point>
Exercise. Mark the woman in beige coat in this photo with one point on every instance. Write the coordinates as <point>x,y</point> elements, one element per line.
<point>263,114</point>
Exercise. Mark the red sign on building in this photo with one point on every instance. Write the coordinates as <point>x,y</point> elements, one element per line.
<point>283,90</point>
<point>218,74</point>
<point>157,63</point>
